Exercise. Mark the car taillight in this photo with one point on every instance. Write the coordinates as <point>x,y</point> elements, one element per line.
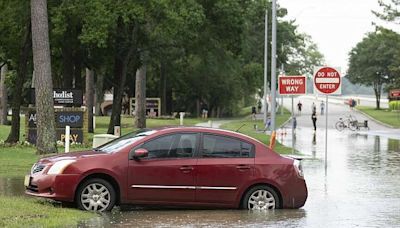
<point>298,167</point>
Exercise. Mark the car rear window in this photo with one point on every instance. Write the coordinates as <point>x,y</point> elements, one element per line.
<point>225,147</point>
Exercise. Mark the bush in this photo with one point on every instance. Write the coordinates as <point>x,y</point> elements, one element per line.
<point>394,105</point>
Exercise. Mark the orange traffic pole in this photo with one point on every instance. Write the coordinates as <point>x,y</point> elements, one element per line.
<point>272,140</point>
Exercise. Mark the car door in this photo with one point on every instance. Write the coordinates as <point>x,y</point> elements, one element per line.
<point>225,165</point>
<point>167,174</point>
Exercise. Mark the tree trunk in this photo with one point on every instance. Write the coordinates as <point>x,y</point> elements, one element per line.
<point>68,65</point>
<point>99,93</point>
<point>377,90</point>
<point>16,100</point>
<point>122,57</point>
<point>198,107</point>
<point>140,95</point>
<point>163,82</point>
<point>77,80</point>
<point>46,131</point>
<point>89,97</point>
<point>3,95</point>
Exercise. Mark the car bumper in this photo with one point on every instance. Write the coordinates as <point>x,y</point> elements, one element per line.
<point>297,195</point>
<point>57,187</point>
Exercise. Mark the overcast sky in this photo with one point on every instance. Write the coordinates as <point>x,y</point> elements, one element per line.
<point>335,25</point>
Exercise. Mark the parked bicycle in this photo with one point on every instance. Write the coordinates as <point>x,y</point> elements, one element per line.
<point>350,122</point>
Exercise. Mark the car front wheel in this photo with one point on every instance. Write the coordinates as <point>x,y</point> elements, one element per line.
<point>261,198</point>
<point>96,195</point>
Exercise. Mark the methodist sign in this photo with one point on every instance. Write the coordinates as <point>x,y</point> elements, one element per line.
<point>327,81</point>
<point>292,85</point>
<point>63,97</point>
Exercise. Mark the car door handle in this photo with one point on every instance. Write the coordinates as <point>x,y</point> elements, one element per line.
<point>186,169</point>
<point>242,167</point>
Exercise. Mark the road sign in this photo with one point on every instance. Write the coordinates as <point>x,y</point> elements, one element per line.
<point>327,81</point>
<point>292,85</point>
<point>394,94</point>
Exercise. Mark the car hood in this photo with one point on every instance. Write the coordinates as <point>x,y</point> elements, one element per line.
<point>72,156</point>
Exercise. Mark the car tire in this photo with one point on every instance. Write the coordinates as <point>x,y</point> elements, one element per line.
<point>261,197</point>
<point>96,195</point>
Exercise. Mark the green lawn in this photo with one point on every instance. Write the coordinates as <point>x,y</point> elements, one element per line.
<point>246,126</point>
<point>31,212</point>
<point>383,115</point>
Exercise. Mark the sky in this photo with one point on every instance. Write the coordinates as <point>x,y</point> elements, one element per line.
<point>336,26</point>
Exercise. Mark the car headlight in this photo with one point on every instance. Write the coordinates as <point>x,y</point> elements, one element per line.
<point>58,167</point>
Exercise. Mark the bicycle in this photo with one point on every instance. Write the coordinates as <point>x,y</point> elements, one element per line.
<point>350,123</point>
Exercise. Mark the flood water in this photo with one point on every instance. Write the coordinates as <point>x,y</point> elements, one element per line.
<point>360,188</point>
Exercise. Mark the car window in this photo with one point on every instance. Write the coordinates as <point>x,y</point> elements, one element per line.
<point>225,147</point>
<point>123,141</point>
<point>172,146</point>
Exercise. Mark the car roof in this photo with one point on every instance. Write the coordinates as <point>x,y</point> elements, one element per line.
<point>170,129</point>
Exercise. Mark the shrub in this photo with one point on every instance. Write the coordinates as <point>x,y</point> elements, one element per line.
<point>394,105</point>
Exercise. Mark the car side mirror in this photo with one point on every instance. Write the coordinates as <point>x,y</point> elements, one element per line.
<point>140,153</point>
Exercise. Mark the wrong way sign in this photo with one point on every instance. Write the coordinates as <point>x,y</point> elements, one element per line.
<point>327,80</point>
<point>292,85</point>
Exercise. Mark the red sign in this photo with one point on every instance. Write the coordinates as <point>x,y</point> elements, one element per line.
<point>327,81</point>
<point>394,93</point>
<point>292,85</point>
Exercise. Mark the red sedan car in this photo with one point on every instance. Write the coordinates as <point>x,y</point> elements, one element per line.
<point>182,166</point>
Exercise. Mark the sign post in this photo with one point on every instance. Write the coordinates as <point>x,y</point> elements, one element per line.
<point>292,85</point>
<point>327,81</point>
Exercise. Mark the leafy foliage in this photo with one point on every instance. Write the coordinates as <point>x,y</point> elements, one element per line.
<point>373,59</point>
<point>197,50</point>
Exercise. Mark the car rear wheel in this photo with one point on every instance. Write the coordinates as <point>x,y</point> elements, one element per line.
<point>261,198</point>
<point>96,195</point>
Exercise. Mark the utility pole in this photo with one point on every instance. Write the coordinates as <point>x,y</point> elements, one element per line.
<point>265,66</point>
<point>273,67</point>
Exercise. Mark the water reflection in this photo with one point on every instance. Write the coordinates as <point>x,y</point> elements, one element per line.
<point>199,218</point>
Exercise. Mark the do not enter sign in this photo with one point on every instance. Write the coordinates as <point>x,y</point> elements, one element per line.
<point>327,80</point>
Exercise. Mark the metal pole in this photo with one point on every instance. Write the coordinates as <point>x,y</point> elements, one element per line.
<point>265,65</point>
<point>67,137</point>
<point>273,67</point>
<point>326,134</point>
<point>293,125</point>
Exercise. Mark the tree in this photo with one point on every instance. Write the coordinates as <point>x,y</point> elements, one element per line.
<point>3,95</point>
<point>140,104</point>
<point>372,60</point>
<point>15,42</point>
<point>46,132</point>
<point>390,10</point>
<point>89,95</point>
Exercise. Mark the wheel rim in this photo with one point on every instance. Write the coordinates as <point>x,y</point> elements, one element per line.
<point>261,200</point>
<point>95,197</point>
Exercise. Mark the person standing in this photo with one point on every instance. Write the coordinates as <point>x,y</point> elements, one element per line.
<point>322,105</point>
<point>204,111</point>
<point>299,106</point>
<point>313,107</point>
<point>253,112</point>
<point>314,120</point>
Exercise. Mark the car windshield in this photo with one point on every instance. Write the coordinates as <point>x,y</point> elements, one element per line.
<point>121,142</point>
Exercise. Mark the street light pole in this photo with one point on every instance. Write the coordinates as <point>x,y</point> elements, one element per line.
<point>273,67</point>
<point>265,66</point>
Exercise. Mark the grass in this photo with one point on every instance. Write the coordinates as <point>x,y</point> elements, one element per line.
<point>382,115</point>
<point>31,212</point>
<point>247,127</point>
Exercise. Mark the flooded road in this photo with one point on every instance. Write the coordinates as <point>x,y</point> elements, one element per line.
<point>361,188</point>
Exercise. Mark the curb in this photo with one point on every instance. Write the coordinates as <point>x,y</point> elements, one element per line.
<point>373,119</point>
